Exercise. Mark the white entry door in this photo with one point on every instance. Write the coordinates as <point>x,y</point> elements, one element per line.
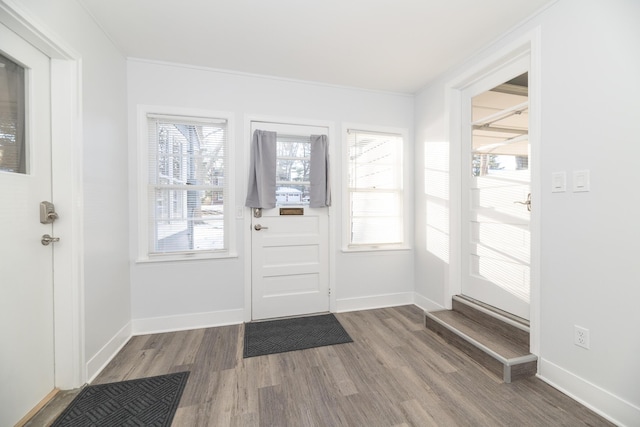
<point>26,274</point>
<point>497,202</point>
<point>290,244</point>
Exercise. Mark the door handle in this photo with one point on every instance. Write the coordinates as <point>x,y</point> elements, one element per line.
<point>527,202</point>
<point>47,240</point>
<point>258,227</point>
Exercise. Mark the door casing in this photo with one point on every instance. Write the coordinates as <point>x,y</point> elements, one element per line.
<point>528,44</point>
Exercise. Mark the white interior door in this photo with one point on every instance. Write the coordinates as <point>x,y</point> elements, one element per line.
<point>497,198</point>
<point>290,244</point>
<point>26,294</point>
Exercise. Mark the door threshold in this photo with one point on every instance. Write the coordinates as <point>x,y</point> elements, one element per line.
<point>295,316</point>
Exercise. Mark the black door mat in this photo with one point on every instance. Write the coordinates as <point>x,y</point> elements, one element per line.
<point>142,402</point>
<point>279,336</point>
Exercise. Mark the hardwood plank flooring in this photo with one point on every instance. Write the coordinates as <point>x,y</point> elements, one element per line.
<point>395,373</point>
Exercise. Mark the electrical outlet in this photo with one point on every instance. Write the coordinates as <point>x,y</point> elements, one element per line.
<point>581,337</point>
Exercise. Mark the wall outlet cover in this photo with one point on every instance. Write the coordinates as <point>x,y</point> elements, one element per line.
<point>581,337</point>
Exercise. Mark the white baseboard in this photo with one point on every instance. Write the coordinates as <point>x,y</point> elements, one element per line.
<point>605,404</point>
<point>98,362</point>
<point>183,322</point>
<point>374,301</point>
<point>426,304</point>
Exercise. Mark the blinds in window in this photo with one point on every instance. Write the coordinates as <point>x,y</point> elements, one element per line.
<point>375,188</point>
<point>187,187</point>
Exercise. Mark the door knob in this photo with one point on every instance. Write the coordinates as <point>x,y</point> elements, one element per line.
<point>527,202</point>
<point>46,239</point>
<point>258,227</point>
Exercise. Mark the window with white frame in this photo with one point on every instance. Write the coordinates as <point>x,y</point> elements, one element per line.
<point>375,189</point>
<point>187,191</point>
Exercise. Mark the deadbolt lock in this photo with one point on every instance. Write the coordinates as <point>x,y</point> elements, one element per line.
<point>47,213</point>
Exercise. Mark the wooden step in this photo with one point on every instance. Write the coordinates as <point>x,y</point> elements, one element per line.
<point>496,340</point>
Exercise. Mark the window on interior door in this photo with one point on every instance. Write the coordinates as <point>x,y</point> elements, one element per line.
<point>13,147</point>
<point>292,175</point>
<point>376,198</point>
<point>187,188</point>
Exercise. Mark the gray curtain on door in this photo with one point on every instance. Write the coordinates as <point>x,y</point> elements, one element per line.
<point>320,191</point>
<point>262,171</point>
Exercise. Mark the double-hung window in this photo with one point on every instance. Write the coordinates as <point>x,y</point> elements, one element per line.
<point>375,190</point>
<point>187,192</point>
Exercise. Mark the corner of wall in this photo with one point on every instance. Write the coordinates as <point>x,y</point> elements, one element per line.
<point>426,304</point>
<point>101,359</point>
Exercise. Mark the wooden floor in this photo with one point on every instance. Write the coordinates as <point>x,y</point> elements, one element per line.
<point>395,373</point>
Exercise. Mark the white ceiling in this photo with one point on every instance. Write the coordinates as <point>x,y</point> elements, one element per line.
<point>389,45</point>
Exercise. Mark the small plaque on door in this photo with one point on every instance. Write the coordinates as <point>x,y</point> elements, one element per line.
<point>291,211</point>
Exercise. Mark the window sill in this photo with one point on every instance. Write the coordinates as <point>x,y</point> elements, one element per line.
<point>375,248</point>
<point>186,257</point>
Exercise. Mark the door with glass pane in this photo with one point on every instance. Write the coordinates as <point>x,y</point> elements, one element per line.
<point>497,205</point>
<point>290,243</point>
<point>26,270</point>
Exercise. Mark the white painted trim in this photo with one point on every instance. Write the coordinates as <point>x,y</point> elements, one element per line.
<point>67,144</point>
<point>535,129</point>
<point>102,358</point>
<point>407,188</point>
<point>528,44</point>
<point>426,304</point>
<point>27,26</point>
<point>142,205</point>
<point>68,271</point>
<point>184,322</point>
<point>374,301</point>
<point>599,400</point>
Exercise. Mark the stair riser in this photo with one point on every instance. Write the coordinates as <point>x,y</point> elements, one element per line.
<point>506,330</point>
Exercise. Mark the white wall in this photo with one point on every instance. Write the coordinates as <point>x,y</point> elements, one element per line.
<point>182,294</point>
<point>589,241</point>
<point>107,298</point>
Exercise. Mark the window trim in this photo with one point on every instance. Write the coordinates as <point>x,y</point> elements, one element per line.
<point>407,187</point>
<point>142,251</point>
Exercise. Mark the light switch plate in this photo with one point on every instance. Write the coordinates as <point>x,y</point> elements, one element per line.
<point>581,181</point>
<point>558,182</point>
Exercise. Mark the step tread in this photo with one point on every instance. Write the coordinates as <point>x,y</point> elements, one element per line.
<point>498,343</point>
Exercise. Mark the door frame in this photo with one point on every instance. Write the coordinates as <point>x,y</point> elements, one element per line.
<point>528,44</point>
<point>247,213</point>
<point>66,162</point>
